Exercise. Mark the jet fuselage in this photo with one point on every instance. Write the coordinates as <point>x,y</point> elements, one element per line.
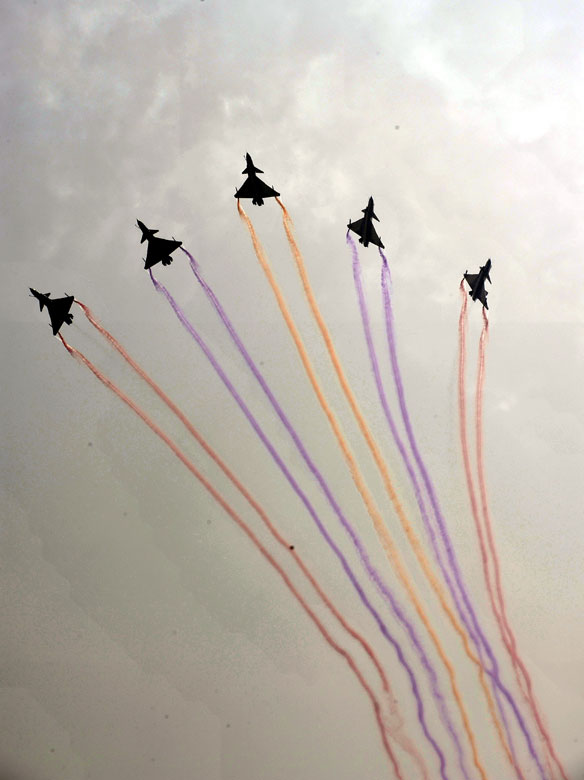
<point>364,227</point>
<point>476,282</point>
<point>58,308</point>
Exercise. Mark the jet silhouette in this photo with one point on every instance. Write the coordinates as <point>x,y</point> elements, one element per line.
<point>476,282</point>
<point>364,227</point>
<point>253,187</point>
<point>159,249</point>
<point>58,308</point>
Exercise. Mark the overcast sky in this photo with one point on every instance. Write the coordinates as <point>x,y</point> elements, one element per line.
<point>142,635</point>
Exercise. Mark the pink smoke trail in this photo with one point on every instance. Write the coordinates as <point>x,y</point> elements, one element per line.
<point>507,634</point>
<point>469,478</point>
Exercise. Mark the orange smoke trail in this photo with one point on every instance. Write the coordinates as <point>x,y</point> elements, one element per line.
<point>384,536</point>
<point>249,533</point>
<point>382,466</point>
<point>400,738</point>
<point>507,635</point>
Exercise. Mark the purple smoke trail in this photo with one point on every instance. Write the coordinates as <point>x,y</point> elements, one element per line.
<point>385,283</point>
<point>300,493</point>
<point>445,537</point>
<point>357,277</point>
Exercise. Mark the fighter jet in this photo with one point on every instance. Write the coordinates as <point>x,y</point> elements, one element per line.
<point>364,227</point>
<point>253,187</point>
<point>476,282</point>
<point>159,249</point>
<point>58,308</point>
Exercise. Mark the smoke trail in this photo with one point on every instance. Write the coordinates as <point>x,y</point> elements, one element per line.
<point>357,277</point>
<point>249,533</point>
<point>387,541</point>
<point>470,482</point>
<point>445,537</point>
<point>383,535</point>
<point>506,631</point>
<point>408,746</point>
<point>300,493</point>
<point>464,436</point>
<point>403,741</point>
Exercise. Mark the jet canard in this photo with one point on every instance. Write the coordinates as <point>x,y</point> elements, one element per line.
<point>253,187</point>
<point>58,308</point>
<point>364,227</point>
<point>159,249</point>
<point>476,282</point>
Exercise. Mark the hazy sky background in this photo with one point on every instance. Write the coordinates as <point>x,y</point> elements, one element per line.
<point>142,635</point>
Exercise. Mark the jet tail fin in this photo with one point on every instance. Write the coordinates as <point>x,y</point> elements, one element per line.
<point>250,167</point>
<point>147,234</point>
<point>40,297</point>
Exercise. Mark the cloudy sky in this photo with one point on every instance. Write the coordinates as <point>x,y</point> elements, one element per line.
<point>143,636</point>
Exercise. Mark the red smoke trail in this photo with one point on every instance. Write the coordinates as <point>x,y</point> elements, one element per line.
<point>401,739</point>
<point>506,631</point>
<point>244,527</point>
<point>464,444</point>
<point>466,458</point>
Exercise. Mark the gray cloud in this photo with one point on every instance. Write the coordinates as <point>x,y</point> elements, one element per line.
<point>465,124</point>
